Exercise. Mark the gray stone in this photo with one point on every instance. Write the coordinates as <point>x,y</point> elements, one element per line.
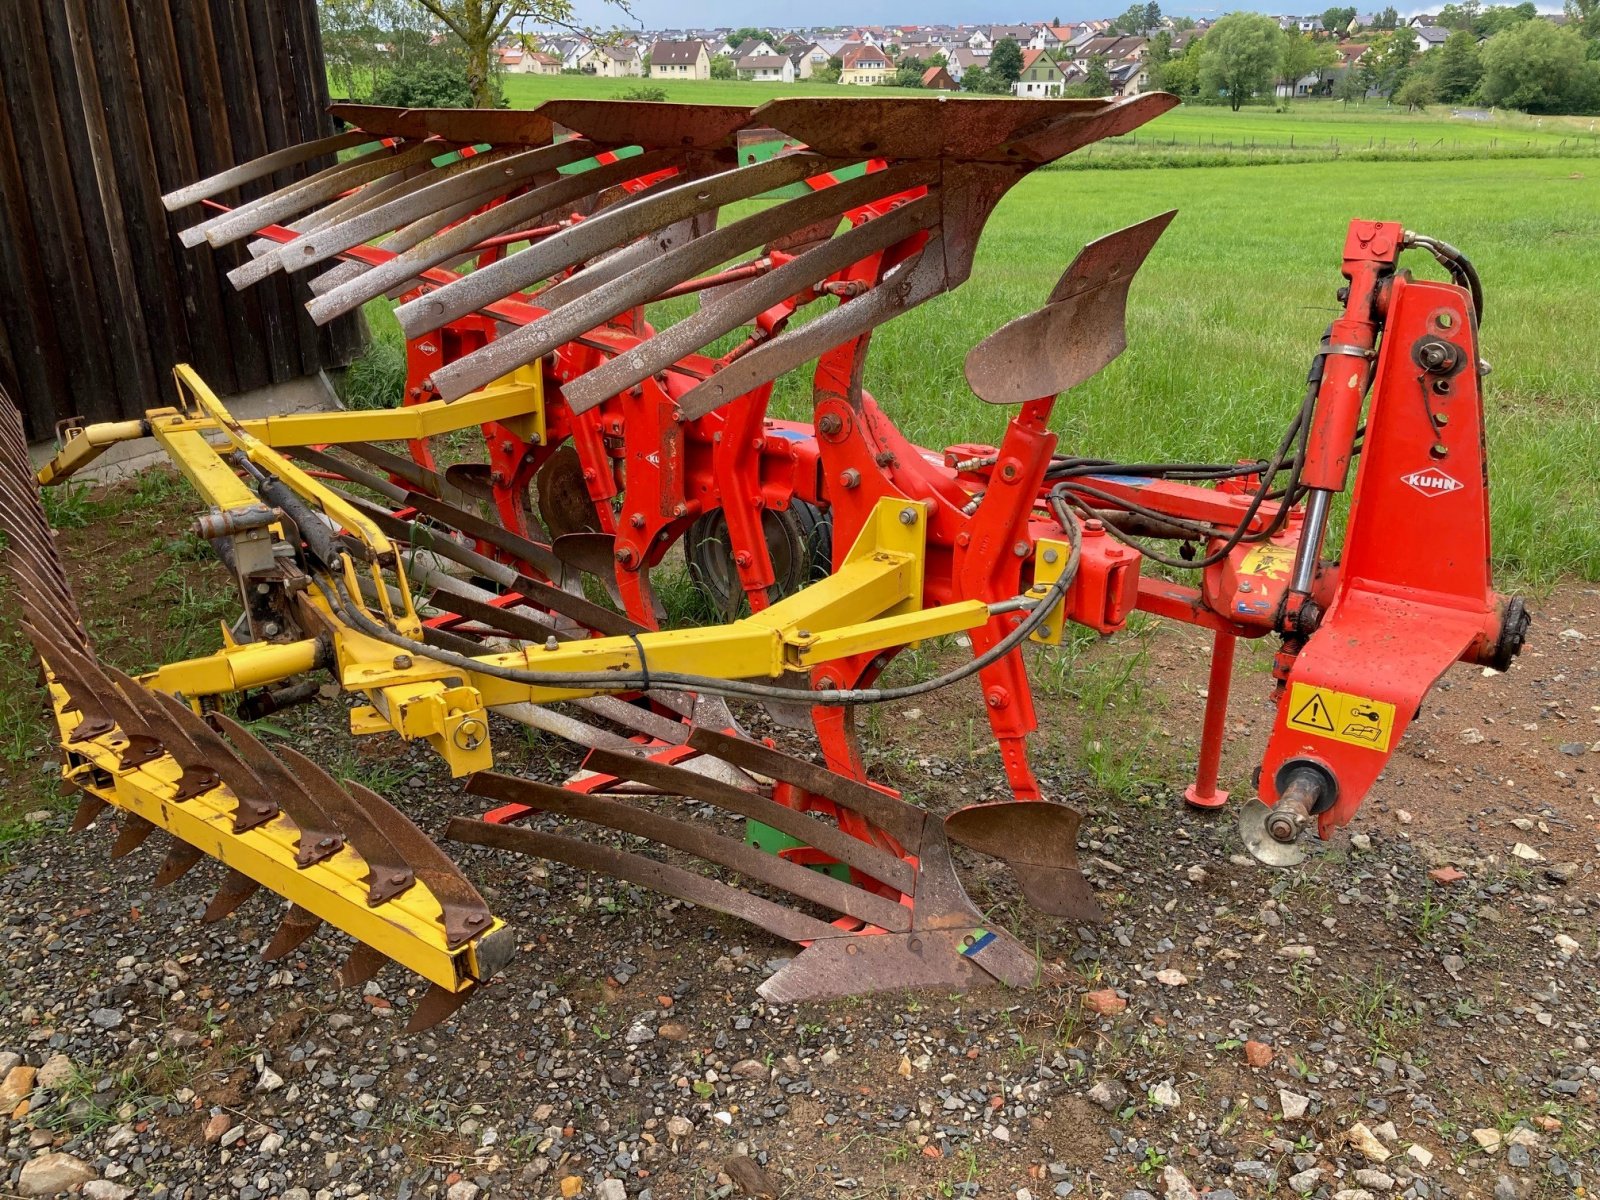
<point>52,1173</point>
<point>462,1189</point>
<point>1177,1184</point>
<point>1377,1181</point>
<point>1109,1094</point>
<point>105,1018</point>
<point>1306,1180</point>
<point>57,1070</point>
<point>1505,1189</point>
<point>104,1189</point>
<point>613,1189</point>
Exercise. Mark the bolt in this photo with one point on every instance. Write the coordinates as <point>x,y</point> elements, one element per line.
<point>997,698</point>
<point>802,634</point>
<point>850,478</point>
<point>1044,633</point>
<point>1009,471</point>
<point>1020,549</point>
<point>1093,527</point>
<point>679,509</point>
<point>830,424</point>
<point>624,555</point>
<point>637,520</point>
<point>550,643</point>
<point>742,559</point>
<point>397,877</point>
<point>1050,555</point>
<point>1439,450</point>
<point>402,662</point>
<point>1244,585</point>
<point>908,516</point>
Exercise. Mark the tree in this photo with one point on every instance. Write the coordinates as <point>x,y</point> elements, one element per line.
<point>1584,16</point>
<point>1180,74</point>
<point>908,72</point>
<point>1459,67</point>
<point>1395,56</point>
<point>722,67</point>
<point>1301,56</point>
<point>1005,62</point>
<point>983,82</point>
<point>1152,16</point>
<point>1418,91</point>
<point>1387,19</point>
<point>1460,16</point>
<point>1182,24</point>
<point>1537,67</point>
<point>1130,22</point>
<point>1337,20</point>
<point>1367,69</point>
<point>751,34</point>
<point>1500,17</point>
<point>1348,87</point>
<point>1096,83</point>
<point>427,83</point>
<point>1239,55</point>
<point>480,24</point>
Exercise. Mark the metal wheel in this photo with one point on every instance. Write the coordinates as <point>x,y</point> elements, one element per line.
<point>799,542</point>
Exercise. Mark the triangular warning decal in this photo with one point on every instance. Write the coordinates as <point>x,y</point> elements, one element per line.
<point>1313,714</point>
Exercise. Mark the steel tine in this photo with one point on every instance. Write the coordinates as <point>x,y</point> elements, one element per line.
<point>478,179</point>
<point>646,872</point>
<point>315,187</point>
<point>541,557</point>
<point>636,718</point>
<point>563,191</point>
<point>95,721</point>
<point>828,838</point>
<point>464,912</point>
<point>401,240</point>
<point>298,924</point>
<point>236,888</point>
<point>618,263</point>
<point>753,298</point>
<point>181,859</point>
<point>900,820</point>
<point>260,168</point>
<point>419,477</point>
<point>247,219</point>
<point>252,804</point>
<point>265,251</point>
<point>437,1004</point>
<point>361,965</point>
<point>693,838</point>
<point>50,601</point>
<point>198,776</point>
<point>520,626</point>
<point>320,835</point>
<point>90,807</point>
<point>909,284</point>
<point>135,829</point>
<point>387,873</point>
<point>574,317</point>
<point>603,231</point>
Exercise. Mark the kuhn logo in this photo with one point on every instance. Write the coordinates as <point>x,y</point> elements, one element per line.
<point>1432,482</point>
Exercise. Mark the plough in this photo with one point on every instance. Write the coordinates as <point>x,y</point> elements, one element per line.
<point>529,253</point>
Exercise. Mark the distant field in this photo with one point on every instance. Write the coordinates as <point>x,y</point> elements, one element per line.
<point>1311,130</point>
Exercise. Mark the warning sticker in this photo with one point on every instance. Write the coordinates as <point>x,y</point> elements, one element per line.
<point>1341,716</point>
<point>1267,559</point>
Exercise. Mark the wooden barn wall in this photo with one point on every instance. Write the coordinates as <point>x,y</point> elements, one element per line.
<point>104,106</point>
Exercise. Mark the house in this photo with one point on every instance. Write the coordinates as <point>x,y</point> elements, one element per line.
<point>537,62</point>
<point>959,60</point>
<point>765,68</point>
<point>978,39</point>
<point>937,79</point>
<point>866,65</point>
<point>1112,49</point>
<point>513,60</point>
<point>1129,78</point>
<point>1020,34</point>
<point>1050,37</point>
<point>751,47</point>
<point>809,59</point>
<point>569,50</point>
<point>680,60</point>
<point>1430,37</point>
<point>1040,77</point>
<point>611,62</point>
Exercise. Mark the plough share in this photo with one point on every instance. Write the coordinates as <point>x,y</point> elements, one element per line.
<point>530,253</point>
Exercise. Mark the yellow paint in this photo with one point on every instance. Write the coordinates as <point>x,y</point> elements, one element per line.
<point>1050,558</point>
<point>408,928</point>
<point>1341,716</point>
<point>1268,559</point>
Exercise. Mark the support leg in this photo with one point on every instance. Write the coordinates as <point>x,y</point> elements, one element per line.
<point>1203,792</point>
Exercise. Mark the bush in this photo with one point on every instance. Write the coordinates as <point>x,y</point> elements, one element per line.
<point>641,93</point>
<point>428,83</point>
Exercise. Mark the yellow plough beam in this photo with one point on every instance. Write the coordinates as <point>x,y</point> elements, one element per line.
<point>338,852</point>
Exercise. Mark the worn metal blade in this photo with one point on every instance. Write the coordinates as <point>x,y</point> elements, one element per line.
<point>604,231</point>
<point>1038,840</point>
<point>387,872</point>
<point>646,872</point>
<point>253,805</point>
<point>198,775</point>
<point>298,924</point>
<point>90,807</point>
<point>1080,329</point>
<point>131,835</point>
<point>361,965</point>
<point>437,1005</point>
<point>236,888</point>
<point>902,821</point>
<point>694,838</point>
<point>465,915</point>
<point>181,858</point>
<point>810,831</point>
<point>564,191</point>
<point>320,835</point>
<point>576,316</point>
<point>260,168</point>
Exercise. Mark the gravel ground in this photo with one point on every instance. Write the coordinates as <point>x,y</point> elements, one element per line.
<point>1412,1013</point>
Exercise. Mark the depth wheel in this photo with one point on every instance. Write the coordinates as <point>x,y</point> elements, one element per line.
<point>799,543</point>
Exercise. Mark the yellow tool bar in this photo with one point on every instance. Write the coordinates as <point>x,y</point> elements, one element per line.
<point>407,928</point>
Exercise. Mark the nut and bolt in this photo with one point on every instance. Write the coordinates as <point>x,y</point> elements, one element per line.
<point>908,516</point>
<point>402,662</point>
<point>849,478</point>
<point>830,424</point>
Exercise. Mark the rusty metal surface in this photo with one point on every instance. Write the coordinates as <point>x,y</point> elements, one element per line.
<point>235,890</point>
<point>808,830</point>
<point>388,874</point>
<point>1038,840</point>
<point>692,837</point>
<point>320,836</point>
<point>297,925</point>
<point>646,872</point>
<point>260,168</point>
<point>1079,330</point>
